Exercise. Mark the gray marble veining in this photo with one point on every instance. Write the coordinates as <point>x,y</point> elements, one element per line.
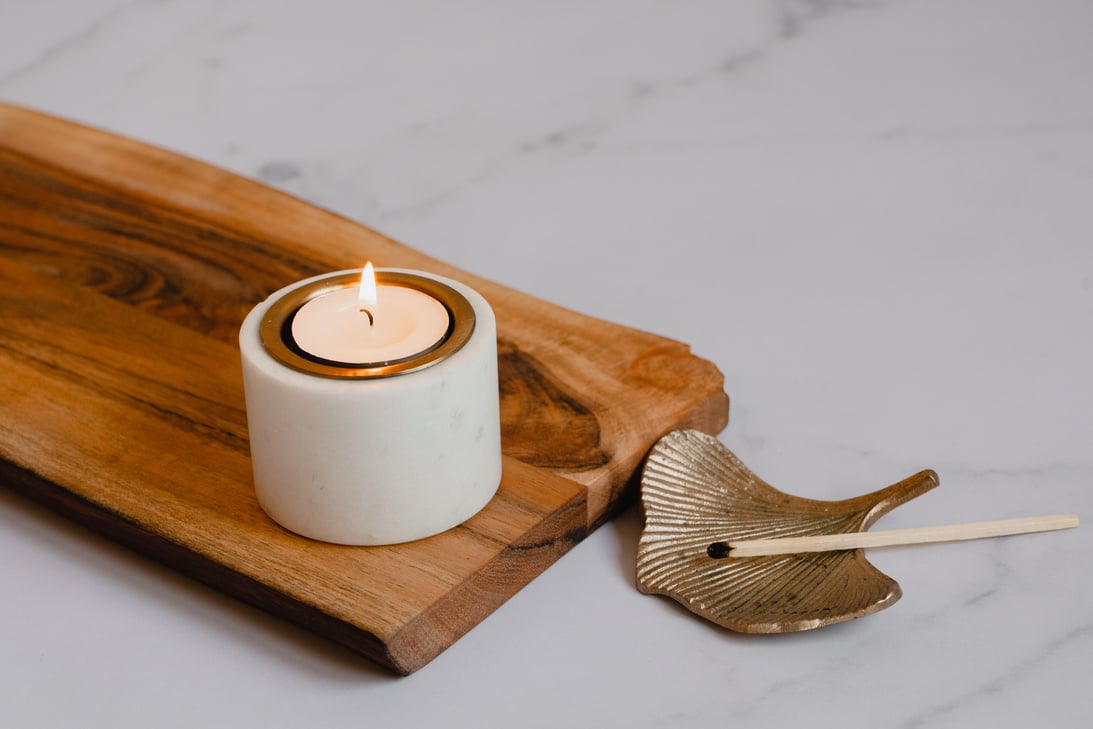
<point>873,215</point>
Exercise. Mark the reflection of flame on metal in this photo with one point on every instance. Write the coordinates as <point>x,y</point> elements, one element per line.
<point>367,296</point>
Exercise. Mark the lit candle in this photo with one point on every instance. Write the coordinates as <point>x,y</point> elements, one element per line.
<point>372,405</point>
<point>370,324</point>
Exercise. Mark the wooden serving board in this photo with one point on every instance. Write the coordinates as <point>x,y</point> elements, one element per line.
<point>125,272</point>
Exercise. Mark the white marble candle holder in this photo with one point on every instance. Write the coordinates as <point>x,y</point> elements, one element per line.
<point>373,453</point>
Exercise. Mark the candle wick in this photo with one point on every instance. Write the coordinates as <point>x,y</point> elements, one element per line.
<point>371,319</point>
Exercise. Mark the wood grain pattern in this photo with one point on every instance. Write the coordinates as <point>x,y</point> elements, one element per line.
<point>125,272</point>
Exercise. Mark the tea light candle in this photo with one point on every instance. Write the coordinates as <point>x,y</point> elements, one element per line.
<point>370,323</point>
<point>372,407</point>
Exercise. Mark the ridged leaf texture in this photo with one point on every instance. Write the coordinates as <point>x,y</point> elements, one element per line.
<point>695,492</point>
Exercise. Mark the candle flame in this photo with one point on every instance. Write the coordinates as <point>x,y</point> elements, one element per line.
<point>367,295</point>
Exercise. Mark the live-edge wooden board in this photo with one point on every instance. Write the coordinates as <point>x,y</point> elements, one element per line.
<point>125,271</point>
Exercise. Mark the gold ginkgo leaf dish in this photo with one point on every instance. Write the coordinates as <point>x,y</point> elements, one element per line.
<point>697,496</point>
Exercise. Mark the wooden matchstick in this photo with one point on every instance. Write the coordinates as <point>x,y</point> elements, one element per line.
<point>919,535</point>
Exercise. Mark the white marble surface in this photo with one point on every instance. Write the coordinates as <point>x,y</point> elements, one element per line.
<point>875,216</point>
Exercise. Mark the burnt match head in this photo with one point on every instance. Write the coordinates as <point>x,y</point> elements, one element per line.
<point>718,550</point>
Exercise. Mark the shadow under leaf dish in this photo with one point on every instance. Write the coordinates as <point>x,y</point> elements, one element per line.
<point>696,494</point>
